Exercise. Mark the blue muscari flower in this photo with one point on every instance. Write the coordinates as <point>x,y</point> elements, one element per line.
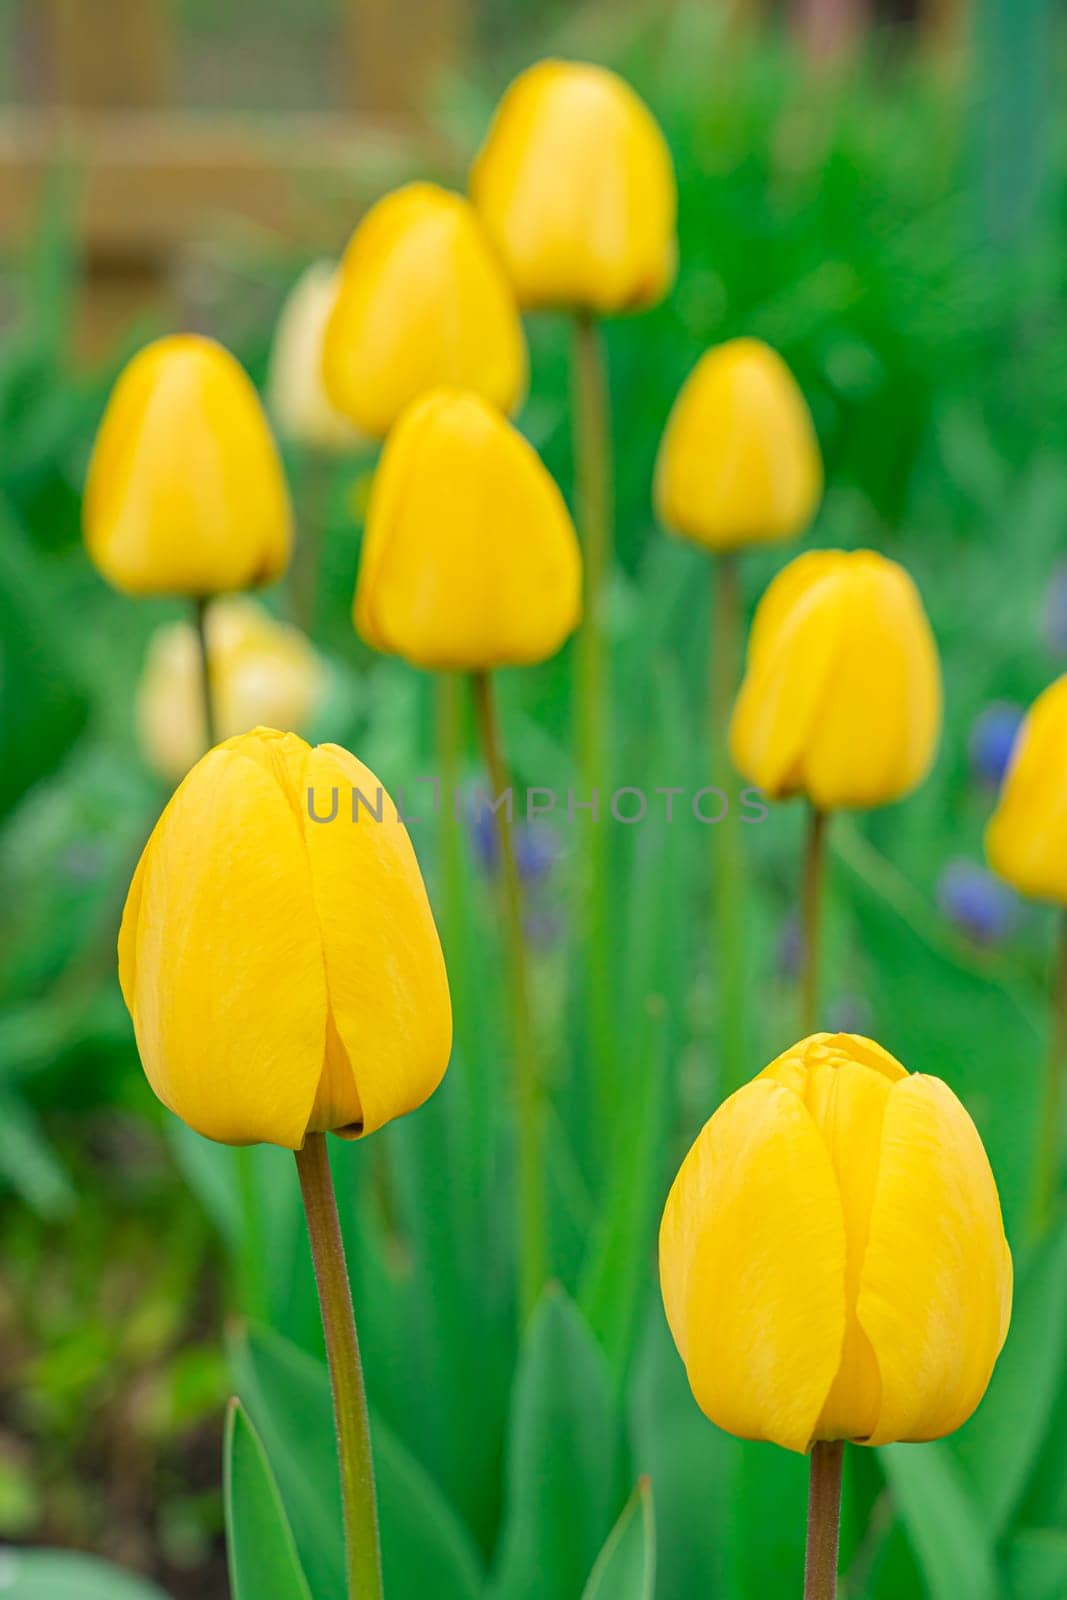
<point>976,902</point>
<point>536,845</point>
<point>993,735</point>
<point>1056,611</point>
<point>789,946</point>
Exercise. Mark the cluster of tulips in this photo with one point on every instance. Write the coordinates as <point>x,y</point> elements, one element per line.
<point>832,1257</point>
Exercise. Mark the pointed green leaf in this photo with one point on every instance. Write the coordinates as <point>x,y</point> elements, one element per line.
<point>626,1567</point>
<point>950,1538</point>
<point>259,1541</point>
<point>563,1473</point>
<point>58,1575</point>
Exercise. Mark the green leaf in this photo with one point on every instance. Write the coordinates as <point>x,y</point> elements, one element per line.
<point>56,1575</point>
<point>950,1537</point>
<point>28,1163</point>
<point>563,1457</point>
<point>262,1554</point>
<point>626,1567</point>
<point>425,1548</point>
<point>1001,1443</point>
<point>1037,1564</point>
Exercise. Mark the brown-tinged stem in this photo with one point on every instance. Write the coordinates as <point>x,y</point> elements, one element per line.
<point>358,1498</point>
<point>811,915</point>
<point>529,1110</point>
<point>824,1520</point>
<point>595,516</point>
<point>207,700</point>
<point>1050,1133</point>
<point>727,867</point>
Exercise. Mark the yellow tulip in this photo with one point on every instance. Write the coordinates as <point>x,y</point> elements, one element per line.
<point>262,671</point>
<point>1026,840</point>
<point>185,493</point>
<point>576,187</point>
<point>283,974</point>
<point>296,394</point>
<point>423,301</point>
<point>832,1257</point>
<point>739,463</point>
<point>470,559</point>
<point>841,699</point>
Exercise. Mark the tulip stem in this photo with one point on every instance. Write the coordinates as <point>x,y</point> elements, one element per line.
<point>595,515</point>
<point>200,605</point>
<point>811,915</point>
<point>727,865</point>
<point>824,1519</point>
<point>529,1110</point>
<point>1050,1132</point>
<point>358,1496</point>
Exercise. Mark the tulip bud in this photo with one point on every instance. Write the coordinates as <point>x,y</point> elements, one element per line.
<point>262,671</point>
<point>470,559</point>
<point>1026,840</point>
<point>185,493</point>
<point>841,699</point>
<point>832,1257</point>
<point>576,187</point>
<point>296,393</point>
<point>739,462</point>
<point>423,301</point>
<point>282,967</point>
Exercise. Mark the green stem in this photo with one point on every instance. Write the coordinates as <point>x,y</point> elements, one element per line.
<point>824,1520</point>
<point>313,476</point>
<point>595,516</point>
<point>727,863</point>
<point>200,609</point>
<point>358,1497</point>
<point>1050,1132</point>
<point>529,1110</point>
<point>811,916</point>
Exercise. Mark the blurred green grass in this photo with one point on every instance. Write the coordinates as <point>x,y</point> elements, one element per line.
<point>846,218</point>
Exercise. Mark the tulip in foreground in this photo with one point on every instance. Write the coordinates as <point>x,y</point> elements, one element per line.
<point>832,1256</point>
<point>470,559</point>
<point>739,463</point>
<point>575,184</point>
<point>1026,843</point>
<point>262,671</point>
<point>285,980</point>
<point>423,300</point>
<point>185,493</point>
<point>296,393</point>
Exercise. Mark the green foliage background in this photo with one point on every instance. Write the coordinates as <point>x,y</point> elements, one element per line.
<point>899,236</point>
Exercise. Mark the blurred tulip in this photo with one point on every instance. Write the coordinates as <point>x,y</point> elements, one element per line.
<point>1026,841</point>
<point>296,393</point>
<point>832,1257</point>
<point>575,184</point>
<point>284,975</point>
<point>470,559</point>
<point>185,493</point>
<point>841,699</point>
<point>739,462</point>
<point>993,735</point>
<point>976,902</point>
<point>423,301</point>
<point>262,671</point>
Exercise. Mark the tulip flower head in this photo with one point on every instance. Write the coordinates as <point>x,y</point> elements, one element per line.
<point>739,463</point>
<point>841,699</point>
<point>296,393</point>
<point>423,301</point>
<point>1026,840</point>
<point>262,671</point>
<point>283,974</point>
<point>470,559</point>
<point>185,493</point>
<point>575,184</point>
<point>832,1257</point>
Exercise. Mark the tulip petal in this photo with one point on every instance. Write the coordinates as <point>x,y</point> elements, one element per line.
<point>220,959</point>
<point>1026,840</point>
<point>935,1291</point>
<point>752,1267</point>
<point>389,1001</point>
